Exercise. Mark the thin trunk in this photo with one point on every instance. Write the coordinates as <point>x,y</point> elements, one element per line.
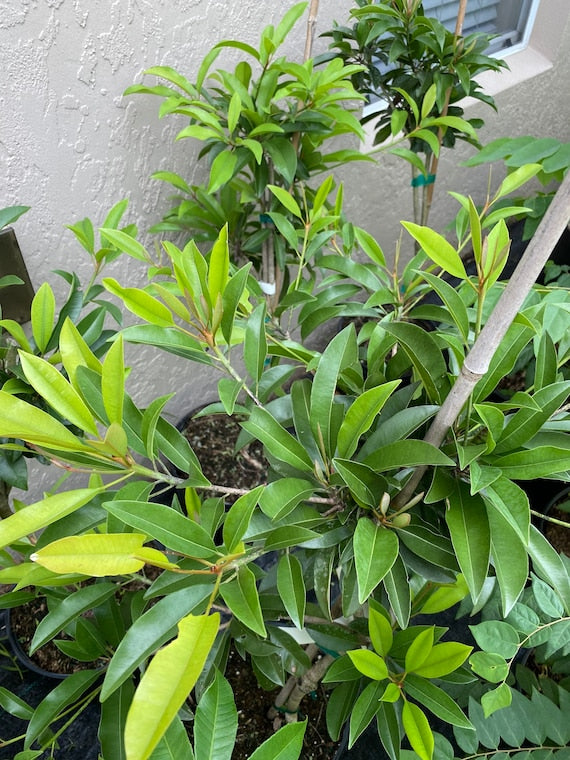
<point>478,359</point>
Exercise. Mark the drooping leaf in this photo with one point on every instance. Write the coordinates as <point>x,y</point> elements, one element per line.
<point>418,730</point>
<point>166,683</point>
<point>240,594</point>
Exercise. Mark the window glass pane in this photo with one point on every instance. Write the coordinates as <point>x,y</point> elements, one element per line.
<point>506,18</point>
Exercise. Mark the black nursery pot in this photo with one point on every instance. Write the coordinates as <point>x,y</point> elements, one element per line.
<point>21,655</point>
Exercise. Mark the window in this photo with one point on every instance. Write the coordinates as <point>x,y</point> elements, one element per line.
<point>510,20</point>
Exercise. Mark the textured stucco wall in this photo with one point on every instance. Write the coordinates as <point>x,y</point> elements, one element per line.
<point>71,145</point>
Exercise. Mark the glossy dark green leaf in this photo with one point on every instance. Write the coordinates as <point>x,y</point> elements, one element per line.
<point>255,346</point>
<point>112,725</point>
<point>504,358</point>
<point>410,453</point>
<point>68,609</point>
<point>539,462</point>
<point>286,744</point>
<point>364,710</point>
<point>237,519</point>
<point>549,566</point>
<point>365,485</point>
<point>397,585</point>
<point>174,530</point>
<point>436,700</point>
<point>361,415</point>
<point>280,497</point>
<point>375,551</point>
<point>278,441</point>
<point>340,705</point>
<point>174,745</point>
<point>291,587</point>
<point>468,525</point>
<point>62,696</point>
<point>240,595</point>
<point>215,721</point>
<point>389,729</point>
<point>510,558</point>
<point>231,298</point>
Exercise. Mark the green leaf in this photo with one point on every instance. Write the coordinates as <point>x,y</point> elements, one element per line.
<point>141,303</point>
<point>111,726</point>
<point>255,346</point>
<point>215,721</point>
<point>240,594</point>
<point>63,695</point>
<point>360,416</point>
<point>369,664</point>
<point>113,381</point>
<point>238,518</point>
<point>287,200</point>
<point>540,462</point>
<point>425,355</point>
<point>547,564</point>
<point>219,265</point>
<point>419,649</point>
<point>340,353</point>
<point>410,453</point>
<point>174,745</point>
<point>510,558</point>
<point>291,587</point>
<point>222,170</point>
<point>375,551</point>
<point>150,631</point>
<point>379,630</point>
<point>469,528</point>
<point>174,530</point>
<point>438,249</point>
<point>59,394</point>
<point>496,636</point>
<point>68,609</point>
<point>365,708</point>
<point>490,666</point>
<point>12,704</point>
<point>418,730</point>
<point>443,659</point>
<point>397,585</point>
<point>436,700</point>
<point>286,744</point>
<point>278,441</point>
<point>280,497</point>
<point>389,729</point>
<point>167,682</point>
<point>42,513</point>
<point>126,243</point>
<point>496,699</point>
<point>96,554</point>
<point>365,485</point>
<point>515,179</point>
<point>10,214</point>
<point>452,300</point>
<point>42,313</point>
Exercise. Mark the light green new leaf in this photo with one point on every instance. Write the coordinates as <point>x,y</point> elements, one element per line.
<point>75,352</point>
<point>496,699</point>
<point>219,265</point>
<point>222,170</point>
<point>141,303</point>
<point>126,244</point>
<point>215,722</point>
<point>418,730</point>
<point>286,744</point>
<point>113,381</point>
<point>45,512</point>
<point>438,249</point>
<point>420,649</point>
<point>42,316</point>
<point>360,416</point>
<point>151,630</point>
<point>443,659</point>
<point>291,587</point>
<point>380,631</point>
<point>369,664</point>
<point>240,594</point>
<point>58,393</point>
<point>468,525</point>
<point>375,551</point>
<point>96,554</point>
<point>287,200</point>
<point>166,683</point>
<point>515,179</point>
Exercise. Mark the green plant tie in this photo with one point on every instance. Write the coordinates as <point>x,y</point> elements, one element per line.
<point>282,709</point>
<point>265,219</point>
<point>336,655</point>
<point>423,179</point>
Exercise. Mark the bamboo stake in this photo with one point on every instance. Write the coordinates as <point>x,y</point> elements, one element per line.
<point>478,359</point>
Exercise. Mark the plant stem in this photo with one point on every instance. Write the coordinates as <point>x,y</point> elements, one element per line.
<point>554,520</point>
<point>5,509</point>
<point>477,361</point>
